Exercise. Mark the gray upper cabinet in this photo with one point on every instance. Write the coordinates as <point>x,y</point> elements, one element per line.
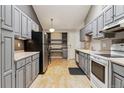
<point>7,17</point>
<point>118,12</point>
<point>8,67</point>
<point>89,28</point>
<point>100,21</point>
<point>17,21</point>
<point>108,15</point>
<point>20,77</point>
<point>94,25</point>
<point>24,25</point>
<point>29,27</point>
<point>82,35</point>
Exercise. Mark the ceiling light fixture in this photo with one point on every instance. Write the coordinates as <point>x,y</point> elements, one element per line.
<point>51,29</point>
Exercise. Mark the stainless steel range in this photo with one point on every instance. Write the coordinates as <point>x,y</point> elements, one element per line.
<point>100,65</point>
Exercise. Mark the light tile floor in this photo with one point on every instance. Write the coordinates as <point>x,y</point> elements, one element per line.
<point>58,76</point>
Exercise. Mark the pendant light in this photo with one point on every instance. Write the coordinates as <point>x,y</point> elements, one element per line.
<point>51,29</point>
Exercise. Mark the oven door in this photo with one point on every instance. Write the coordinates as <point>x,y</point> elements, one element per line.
<point>99,74</point>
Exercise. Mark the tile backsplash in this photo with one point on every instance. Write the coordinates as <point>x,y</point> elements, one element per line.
<point>19,45</point>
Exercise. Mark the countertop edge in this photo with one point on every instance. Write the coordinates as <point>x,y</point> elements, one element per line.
<point>27,55</point>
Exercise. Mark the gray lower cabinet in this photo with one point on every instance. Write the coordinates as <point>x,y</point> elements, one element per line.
<point>0,12</point>
<point>88,65</point>
<point>34,69</point>
<point>20,77</point>
<point>117,81</point>
<point>17,21</point>
<point>81,61</point>
<point>118,12</point>
<point>28,74</point>
<point>0,46</point>
<point>84,63</point>
<point>37,67</point>
<point>8,66</point>
<point>7,17</point>
<point>108,16</point>
<point>24,25</point>
<point>117,77</point>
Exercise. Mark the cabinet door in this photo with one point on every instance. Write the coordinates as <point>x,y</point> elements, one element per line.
<point>117,81</point>
<point>20,77</point>
<point>89,28</point>
<point>33,70</point>
<point>82,35</point>
<point>100,26</point>
<point>37,66</point>
<point>8,66</point>
<point>0,46</point>
<point>118,12</point>
<point>29,28</point>
<point>108,16</point>
<point>81,62</point>
<point>7,17</point>
<point>28,74</point>
<point>24,25</point>
<point>88,66</point>
<point>0,12</point>
<point>17,21</point>
<point>86,63</point>
<point>94,25</point>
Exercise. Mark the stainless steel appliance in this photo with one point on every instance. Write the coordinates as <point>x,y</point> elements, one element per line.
<point>100,76</point>
<point>39,43</point>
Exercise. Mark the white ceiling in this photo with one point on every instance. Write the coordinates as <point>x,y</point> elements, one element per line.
<point>65,17</point>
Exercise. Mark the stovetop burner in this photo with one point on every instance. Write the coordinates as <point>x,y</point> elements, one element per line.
<point>111,55</point>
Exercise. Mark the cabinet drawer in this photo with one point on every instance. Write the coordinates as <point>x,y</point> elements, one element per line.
<point>28,60</point>
<point>35,56</point>
<point>20,63</point>
<point>118,69</point>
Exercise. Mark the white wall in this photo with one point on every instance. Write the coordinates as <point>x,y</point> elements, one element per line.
<point>73,43</point>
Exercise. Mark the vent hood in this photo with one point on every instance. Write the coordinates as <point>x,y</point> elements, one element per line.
<point>118,27</point>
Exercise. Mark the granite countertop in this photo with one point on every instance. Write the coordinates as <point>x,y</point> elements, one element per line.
<point>92,52</point>
<point>22,54</point>
<point>119,61</point>
<point>84,51</point>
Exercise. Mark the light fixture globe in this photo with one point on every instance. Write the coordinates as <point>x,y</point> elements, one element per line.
<point>51,29</point>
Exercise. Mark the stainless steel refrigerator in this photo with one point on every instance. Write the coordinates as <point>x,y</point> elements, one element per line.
<point>39,43</point>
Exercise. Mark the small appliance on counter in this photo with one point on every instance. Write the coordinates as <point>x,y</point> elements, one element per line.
<point>39,43</point>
